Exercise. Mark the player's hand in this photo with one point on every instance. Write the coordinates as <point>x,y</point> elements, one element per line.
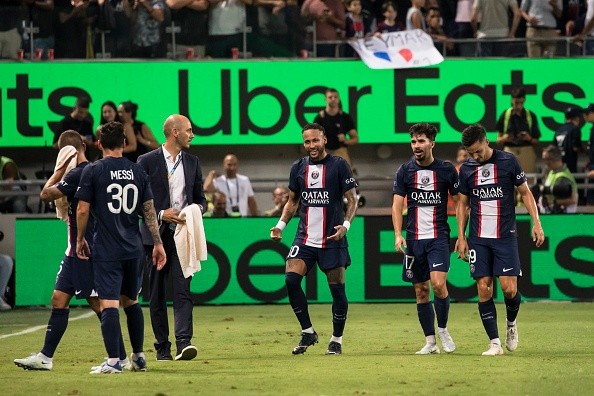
<point>339,234</point>
<point>276,234</point>
<point>462,248</point>
<point>538,234</point>
<point>83,251</point>
<point>159,257</point>
<point>172,216</point>
<point>400,244</point>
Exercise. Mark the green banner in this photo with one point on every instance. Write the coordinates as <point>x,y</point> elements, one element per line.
<point>267,102</point>
<point>244,266</point>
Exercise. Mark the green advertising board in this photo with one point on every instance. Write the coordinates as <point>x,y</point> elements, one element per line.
<point>266,102</point>
<point>245,267</point>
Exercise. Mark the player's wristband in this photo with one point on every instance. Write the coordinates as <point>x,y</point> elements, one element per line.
<point>281,225</point>
<point>346,224</point>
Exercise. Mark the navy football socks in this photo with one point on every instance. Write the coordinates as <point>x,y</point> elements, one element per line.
<point>56,327</point>
<point>512,305</point>
<point>135,322</point>
<point>489,317</point>
<point>340,307</point>
<point>427,318</point>
<point>442,310</point>
<point>297,298</point>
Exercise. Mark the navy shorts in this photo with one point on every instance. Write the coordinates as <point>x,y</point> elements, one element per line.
<point>75,277</point>
<point>327,259</point>
<point>424,256</point>
<point>494,257</point>
<point>114,278</point>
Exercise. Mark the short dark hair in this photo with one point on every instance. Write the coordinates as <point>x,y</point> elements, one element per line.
<point>112,135</point>
<point>71,138</point>
<point>554,152</point>
<point>130,107</point>
<point>387,4</point>
<point>83,102</point>
<point>423,128</point>
<point>313,125</point>
<point>472,134</point>
<point>111,104</point>
<point>518,92</point>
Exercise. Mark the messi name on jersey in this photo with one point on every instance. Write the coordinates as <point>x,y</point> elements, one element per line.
<point>122,174</point>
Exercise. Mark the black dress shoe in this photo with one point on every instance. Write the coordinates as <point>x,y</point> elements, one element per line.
<point>163,351</point>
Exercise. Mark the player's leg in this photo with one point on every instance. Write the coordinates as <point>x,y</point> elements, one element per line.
<point>438,259</point>
<point>295,270</point>
<point>426,318</point>
<point>340,307</point>
<point>131,285</point>
<point>507,266</point>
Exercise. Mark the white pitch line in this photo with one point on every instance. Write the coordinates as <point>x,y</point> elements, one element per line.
<point>35,328</point>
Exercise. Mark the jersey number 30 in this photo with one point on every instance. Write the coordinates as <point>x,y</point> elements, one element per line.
<point>123,198</point>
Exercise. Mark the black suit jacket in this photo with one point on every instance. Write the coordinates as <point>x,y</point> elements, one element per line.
<point>155,166</point>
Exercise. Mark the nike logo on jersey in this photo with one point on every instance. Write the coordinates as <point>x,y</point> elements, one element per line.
<point>77,292</point>
<point>313,184</point>
<point>484,180</point>
<point>437,264</point>
<point>508,269</point>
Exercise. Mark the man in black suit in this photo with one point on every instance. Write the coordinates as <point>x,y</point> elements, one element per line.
<point>176,181</point>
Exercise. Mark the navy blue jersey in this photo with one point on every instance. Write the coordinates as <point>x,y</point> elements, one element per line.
<point>68,187</point>
<point>116,188</point>
<point>426,190</point>
<point>490,187</point>
<point>320,186</point>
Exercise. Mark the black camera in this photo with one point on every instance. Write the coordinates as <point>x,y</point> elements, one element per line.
<point>235,209</point>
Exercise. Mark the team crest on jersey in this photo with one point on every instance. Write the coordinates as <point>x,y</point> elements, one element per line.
<point>485,173</point>
<point>425,179</point>
<point>472,268</point>
<point>315,174</point>
<point>409,274</point>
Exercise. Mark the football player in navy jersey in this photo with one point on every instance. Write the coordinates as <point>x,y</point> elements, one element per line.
<point>75,276</point>
<point>425,183</point>
<point>317,185</point>
<point>117,191</point>
<point>487,185</point>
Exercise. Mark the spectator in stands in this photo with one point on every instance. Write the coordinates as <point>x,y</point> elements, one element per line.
<point>558,193</point>
<point>414,16</point>
<point>435,30</point>
<point>237,188</point>
<point>13,203</point>
<point>589,117</point>
<point>118,41</point>
<point>192,18</point>
<point>518,132</point>
<point>280,196</point>
<point>109,112</point>
<point>389,23</point>
<point>10,39</point>
<point>494,24</point>
<point>71,29</point>
<point>330,19</point>
<point>140,138</point>
<point>6,266</point>
<point>78,120</point>
<point>541,17</point>
<point>339,126</point>
<point>463,28</point>
<point>41,14</point>
<point>272,32</point>
<point>448,10</point>
<point>568,137</point>
<point>226,23</point>
<point>359,24</point>
<point>147,17</point>
<point>219,207</point>
<point>587,32</point>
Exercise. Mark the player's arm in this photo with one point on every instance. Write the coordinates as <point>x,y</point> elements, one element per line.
<point>82,220</point>
<point>530,204</point>
<point>397,205</point>
<point>289,210</point>
<point>462,213</point>
<point>351,209</point>
<point>150,219</point>
<point>50,192</point>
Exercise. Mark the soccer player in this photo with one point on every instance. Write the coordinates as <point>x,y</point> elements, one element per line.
<point>117,191</point>
<point>317,185</point>
<point>75,276</point>
<point>425,182</point>
<point>487,185</point>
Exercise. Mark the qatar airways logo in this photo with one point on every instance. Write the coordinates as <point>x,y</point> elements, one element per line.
<point>313,198</point>
<point>426,197</point>
<point>488,193</point>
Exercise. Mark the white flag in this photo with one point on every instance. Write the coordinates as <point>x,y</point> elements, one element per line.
<point>398,50</point>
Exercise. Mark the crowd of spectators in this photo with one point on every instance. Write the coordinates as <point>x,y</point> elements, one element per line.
<point>83,29</point>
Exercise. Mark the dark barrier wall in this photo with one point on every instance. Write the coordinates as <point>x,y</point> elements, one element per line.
<point>264,102</point>
<point>244,266</point>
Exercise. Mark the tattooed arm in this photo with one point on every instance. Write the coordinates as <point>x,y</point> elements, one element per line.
<point>150,219</point>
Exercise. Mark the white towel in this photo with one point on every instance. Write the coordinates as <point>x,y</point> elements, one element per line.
<point>62,203</point>
<point>190,240</point>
